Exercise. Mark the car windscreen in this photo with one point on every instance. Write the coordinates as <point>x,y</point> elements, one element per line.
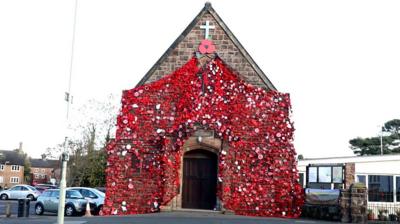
<point>73,194</point>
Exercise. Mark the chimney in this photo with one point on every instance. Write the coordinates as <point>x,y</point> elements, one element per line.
<point>20,146</point>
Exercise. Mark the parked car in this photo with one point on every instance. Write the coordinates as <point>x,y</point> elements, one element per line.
<point>75,203</point>
<point>102,189</point>
<point>43,187</point>
<point>93,195</point>
<point>20,191</point>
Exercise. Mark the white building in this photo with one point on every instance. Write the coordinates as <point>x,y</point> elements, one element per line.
<point>380,173</point>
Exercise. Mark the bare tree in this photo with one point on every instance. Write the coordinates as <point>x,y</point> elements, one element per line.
<point>92,127</point>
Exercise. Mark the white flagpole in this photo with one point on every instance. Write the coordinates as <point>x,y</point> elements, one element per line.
<point>65,156</point>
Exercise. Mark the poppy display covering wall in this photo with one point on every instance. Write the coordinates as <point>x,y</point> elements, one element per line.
<point>257,173</point>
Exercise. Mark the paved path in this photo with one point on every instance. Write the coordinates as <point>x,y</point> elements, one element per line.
<point>163,218</point>
<point>186,217</point>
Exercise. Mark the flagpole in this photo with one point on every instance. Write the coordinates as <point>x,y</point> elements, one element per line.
<point>65,156</point>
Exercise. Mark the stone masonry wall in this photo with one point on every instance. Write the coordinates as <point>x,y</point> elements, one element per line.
<point>225,49</point>
<point>350,170</point>
<point>353,204</point>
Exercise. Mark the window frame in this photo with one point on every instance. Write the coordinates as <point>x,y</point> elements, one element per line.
<point>365,178</point>
<point>395,188</point>
<point>381,174</point>
<point>13,182</point>
<point>136,165</point>
<point>381,179</point>
<point>2,166</point>
<point>303,183</point>
<point>332,182</point>
<point>14,168</point>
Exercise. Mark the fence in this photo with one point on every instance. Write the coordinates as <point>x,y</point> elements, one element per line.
<point>381,207</point>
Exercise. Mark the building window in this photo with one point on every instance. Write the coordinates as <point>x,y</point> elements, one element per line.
<point>43,171</point>
<point>301,179</point>
<point>36,170</point>
<point>361,179</point>
<point>312,174</point>
<point>14,168</point>
<point>325,176</point>
<point>36,176</point>
<point>380,188</point>
<point>1,180</point>
<point>398,189</point>
<point>1,167</point>
<point>337,174</point>
<point>14,180</point>
<point>136,166</point>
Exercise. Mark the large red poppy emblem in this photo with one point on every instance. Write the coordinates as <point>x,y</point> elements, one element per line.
<point>207,47</point>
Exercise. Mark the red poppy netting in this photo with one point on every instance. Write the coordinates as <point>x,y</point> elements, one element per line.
<point>257,173</point>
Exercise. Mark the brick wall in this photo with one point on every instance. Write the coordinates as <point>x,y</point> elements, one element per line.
<point>225,49</point>
<point>7,173</point>
<point>41,175</point>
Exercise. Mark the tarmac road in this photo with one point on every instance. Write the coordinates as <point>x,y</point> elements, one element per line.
<point>14,207</point>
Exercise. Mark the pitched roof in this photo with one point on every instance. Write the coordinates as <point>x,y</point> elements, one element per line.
<point>11,158</point>
<point>209,9</point>
<point>44,163</point>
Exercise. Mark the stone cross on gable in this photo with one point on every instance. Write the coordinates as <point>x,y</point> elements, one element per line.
<point>207,27</point>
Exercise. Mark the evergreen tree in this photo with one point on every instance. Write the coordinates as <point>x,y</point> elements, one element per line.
<point>372,145</point>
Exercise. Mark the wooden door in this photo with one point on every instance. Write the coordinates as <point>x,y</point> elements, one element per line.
<point>199,180</point>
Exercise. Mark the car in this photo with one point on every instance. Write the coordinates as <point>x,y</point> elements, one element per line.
<point>20,191</point>
<point>43,187</point>
<point>102,189</point>
<point>50,186</point>
<point>93,195</point>
<point>75,203</point>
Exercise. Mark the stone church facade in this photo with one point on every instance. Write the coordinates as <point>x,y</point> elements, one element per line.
<point>204,131</point>
<point>228,46</point>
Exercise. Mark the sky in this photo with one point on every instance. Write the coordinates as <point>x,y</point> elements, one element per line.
<point>339,60</point>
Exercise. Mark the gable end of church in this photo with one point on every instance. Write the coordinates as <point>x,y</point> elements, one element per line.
<point>227,45</point>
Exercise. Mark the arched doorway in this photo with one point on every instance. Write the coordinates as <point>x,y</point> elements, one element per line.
<point>199,179</point>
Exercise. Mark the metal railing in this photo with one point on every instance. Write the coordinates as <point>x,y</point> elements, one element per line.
<point>381,207</point>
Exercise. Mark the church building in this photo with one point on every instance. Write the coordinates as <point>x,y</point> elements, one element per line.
<point>204,129</point>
